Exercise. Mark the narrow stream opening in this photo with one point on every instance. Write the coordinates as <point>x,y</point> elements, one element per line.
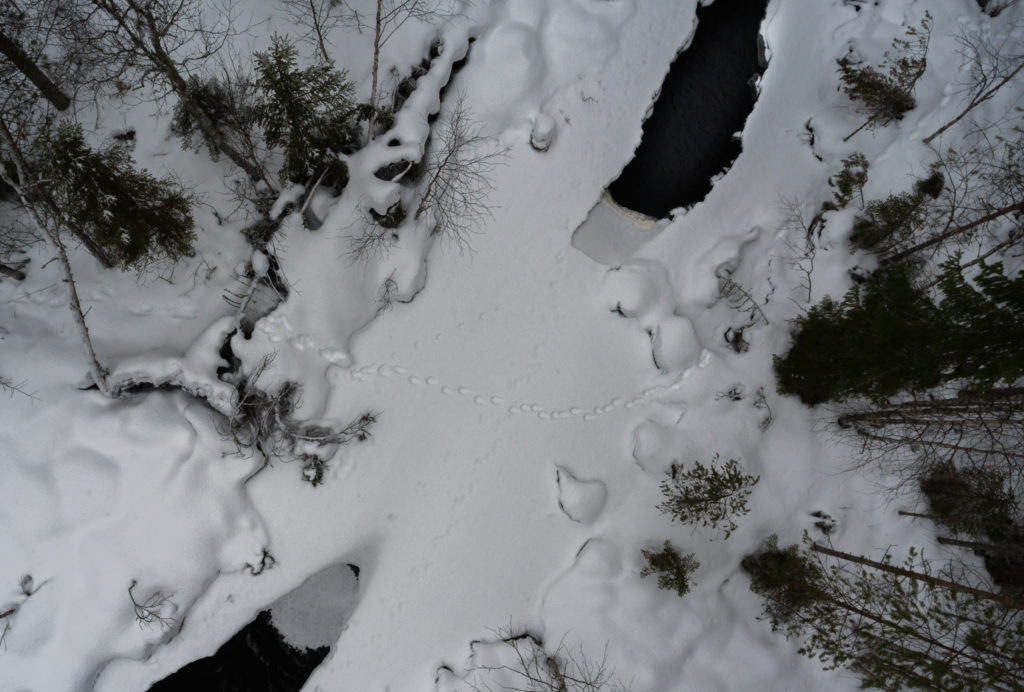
<point>283,645</point>
<point>705,99</point>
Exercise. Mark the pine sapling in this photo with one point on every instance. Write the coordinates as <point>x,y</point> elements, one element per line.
<point>850,180</point>
<point>672,568</point>
<point>884,94</point>
<point>709,496</point>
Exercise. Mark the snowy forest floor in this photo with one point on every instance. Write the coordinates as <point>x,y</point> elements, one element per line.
<point>530,399</point>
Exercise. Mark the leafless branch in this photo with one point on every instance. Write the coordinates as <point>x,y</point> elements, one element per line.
<point>154,610</point>
<point>530,668</point>
<point>994,62</point>
<point>458,174</point>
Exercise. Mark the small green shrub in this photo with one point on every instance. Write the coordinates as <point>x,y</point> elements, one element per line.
<point>134,216</point>
<point>708,495</point>
<point>673,569</point>
<point>851,180</point>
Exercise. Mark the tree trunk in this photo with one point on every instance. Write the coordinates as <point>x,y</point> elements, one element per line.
<point>12,272</point>
<point>52,237</point>
<point>21,60</point>
<point>990,548</point>
<point>974,103</point>
<point>315,16</point>
<point>953,232</point>
<point>927,578</point>
<point>373,80</point>
<point>99,376</point>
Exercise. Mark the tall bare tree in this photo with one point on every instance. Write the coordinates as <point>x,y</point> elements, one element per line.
<point>993,60</point>
<point>389,16</point>
<point>169,40</point>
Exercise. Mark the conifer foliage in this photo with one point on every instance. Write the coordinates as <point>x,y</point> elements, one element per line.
<point>136,217</point>
<point>672,568</point>
<point>308,112</point>
<point>229,106</point>
<point>710,496</point>
<point>899,626</point>
<point>884,94</point>
<point>889,335</point>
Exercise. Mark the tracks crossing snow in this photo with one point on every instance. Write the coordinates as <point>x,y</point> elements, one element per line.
<point>396,372</point>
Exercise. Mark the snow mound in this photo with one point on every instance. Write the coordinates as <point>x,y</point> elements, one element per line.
<point>581,500</point>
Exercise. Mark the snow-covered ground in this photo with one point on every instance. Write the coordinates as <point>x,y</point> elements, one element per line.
<point>524,424</point>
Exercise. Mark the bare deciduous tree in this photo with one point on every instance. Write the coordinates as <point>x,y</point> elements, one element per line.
<point>169,40</point>
<point>530,668</point>
<point>897,626</point>
<point>973,430</point>
<point>155,610</point>
<point>458,173</point>
<point>994,62</point>
<point>319,18</point>
<point>389,17</point>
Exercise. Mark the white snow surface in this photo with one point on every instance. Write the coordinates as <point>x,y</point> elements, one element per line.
<point>524,424</point>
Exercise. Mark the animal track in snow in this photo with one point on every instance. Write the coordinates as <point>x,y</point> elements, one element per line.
<point>398,373</point>
<point>278,330</point>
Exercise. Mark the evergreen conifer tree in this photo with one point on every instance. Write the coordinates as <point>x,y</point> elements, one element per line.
<point>888,335</point>
<point>888,223</point>
<point>134,216</point>
<point>875,342</point>
<point>308,112</point>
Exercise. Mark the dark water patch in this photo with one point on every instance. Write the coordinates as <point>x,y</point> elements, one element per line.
<point>256,659</point>
<point>705,98</point>
<point>280,649</point>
